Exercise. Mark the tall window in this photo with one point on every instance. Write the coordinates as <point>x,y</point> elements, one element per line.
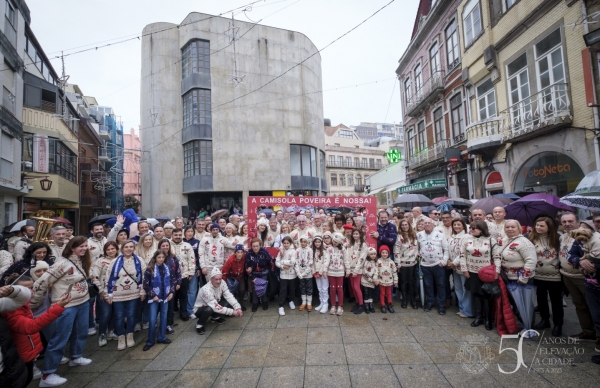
<point>363,163</point>
<point>407,91</point>
<point>6,159</point>
<point>350,180</point>
<point>348,162</point>
<point>333,179</point>
<point>438,124</point>
<point>196,58</point>
<point>332,160</point>
<point>342,179</point>
<point>507,4</point>
<point>378,163</point>
<point>422,135</point>
<point>322,164</point>
<point>303,160</point>
<point>371,163</point>
<point>551,71</point>
<point>486,99</point>
<point>458,117</point>
<point>518,85</point>
<point>358,179</point>
<point>471,21</point>
<point>452,48</point>
<point>197,158</point>
<point>11,16</point>
<point>418,78</point>
<point>434,58</point>
<point>196,107</point>
<point>356,163</point>
<point>62,161</point>
<point>412,145</point>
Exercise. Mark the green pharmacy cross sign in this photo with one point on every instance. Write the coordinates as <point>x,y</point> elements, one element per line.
<point>393,156</point>
<point>423,185</point>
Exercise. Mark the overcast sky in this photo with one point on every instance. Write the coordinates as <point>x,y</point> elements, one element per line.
<point>112,74</point>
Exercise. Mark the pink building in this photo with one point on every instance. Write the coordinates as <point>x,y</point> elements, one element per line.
<point>132,176</point>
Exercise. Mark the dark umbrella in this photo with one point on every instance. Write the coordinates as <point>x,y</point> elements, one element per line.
<point>458,203</point>
<point>266,212</point>
<point>507,195</point>
<point>488,204</point>
<point>101,218</point>
<point>527,210</point>
<point>551,199</point>
<point>412,200</point>
<point>162,219</point>
<point>219,212</point>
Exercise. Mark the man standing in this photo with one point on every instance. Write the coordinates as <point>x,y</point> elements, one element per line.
<point>96,242</point>
<point>303,231</point>
<point>597,222</point>
<point>417,214</point>
<point>211,250</point>
<point>574,280</point>
<point>387,233</point>
<point>208,303</point>
<point>434,256</point>
<point>222,224</point>
<point>179,223</point>
<point>187,259</point>
<point>70,230</point>
<point>143,228</point>
<point>21,246</point>
<point>272,232</point>
<point>445,227</point>
<point>235,220</point>
<point>159,234</point>
<point>317,224</point>
<point>279,217</point>
<point>478,215</point>
<point>434,214</point>
<point>59,234</point>
<point>497,227</point>
<point>200,229</point>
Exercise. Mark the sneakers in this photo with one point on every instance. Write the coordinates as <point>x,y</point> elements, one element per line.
<point>52,380</point>
<point>112,336</point>
<point>340,310</point>
<point>137,328</point>
<point>130,340</point>
<point>145,326</point>
<point>281,312</point>
<point>37,373</point>
<point>170,330</point>
<point>64,360</point>
<point>92,331</point>
<point>333,310</point>
<point>219,321</point>
<point>122,344</point>
<point>102,340</point>
<point>292,306</point>
<point>80,361</point>
<point>193,316</point>
<point>324,309</point>
<point>200,329</point>
<point>319,307</point>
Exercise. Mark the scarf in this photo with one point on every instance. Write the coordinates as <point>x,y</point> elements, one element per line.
<point>114,275</point>
<point>161,287</point>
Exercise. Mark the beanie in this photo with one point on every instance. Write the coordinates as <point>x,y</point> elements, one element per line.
<point>338,238</point>
<point>384,248</point>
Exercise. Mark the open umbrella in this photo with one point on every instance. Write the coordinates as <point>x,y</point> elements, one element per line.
<point>162,219</point>
<point>218,213</point>
<point>61,220</point>
<point>458,203</point>
<point>527,210</point>
<point>488,204</point>
<point>18,225</point>
<point>549,198</point>
<point>523,295</point>
<point>101,218</point>
<point>152,221</point>
<point>507,195</point>
<point>266,212</point>
<point>587,193</point>
<point>412,200</point>
<point>439,200</point>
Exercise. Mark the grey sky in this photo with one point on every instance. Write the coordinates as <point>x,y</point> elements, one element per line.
<point>112,74</point>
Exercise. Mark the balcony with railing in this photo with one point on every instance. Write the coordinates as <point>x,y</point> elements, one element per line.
<point>364,166</point>
<point>104,132</point>
<point>427,92</point>
<point>428,155</point>
<point>535,115</point>
<point>359,188</point>
<point>103,155</point>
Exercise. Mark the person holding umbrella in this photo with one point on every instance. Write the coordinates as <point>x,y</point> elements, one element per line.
<point>258,265</point>
<point>547,275</point>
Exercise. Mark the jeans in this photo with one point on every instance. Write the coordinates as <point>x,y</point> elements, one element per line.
<point>182,296</point>
<point>155,309</point>
<point>431,275</point>
<point>71,325</point>
<point>306,287</point>
<point>576,287</point>
<point>191,294</point>
<point>92,324</point>
<point>122,310</point>
<point>286,289</point>
<point>465,301</point>
<point>554,289</point>
<point>141,314</point>
<point>593,301</point>
<point>104,311</point>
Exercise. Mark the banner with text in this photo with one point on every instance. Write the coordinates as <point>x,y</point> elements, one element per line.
<point>423,185</point>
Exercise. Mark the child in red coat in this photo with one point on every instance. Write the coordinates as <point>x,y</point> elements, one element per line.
<point>25,330</point>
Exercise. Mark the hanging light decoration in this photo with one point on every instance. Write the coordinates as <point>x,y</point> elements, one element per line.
<point>46,184</point>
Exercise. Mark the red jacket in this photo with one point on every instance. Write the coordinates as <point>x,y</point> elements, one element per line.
<point>234,268</point>
<point>25,329</point>
<point>505,318</point>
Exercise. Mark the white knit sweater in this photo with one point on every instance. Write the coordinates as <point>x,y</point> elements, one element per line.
<point>478,252</point>
<point>304,263</point>
<point>518,258</point>
<point>547,266</point>
<point>288,258</point>
<point>405,252</point>
<point>355,257</point>
<point>433,248</point>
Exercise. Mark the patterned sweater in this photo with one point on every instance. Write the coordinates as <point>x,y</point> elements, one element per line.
<point>60,275</point>
<point>126,285</point>
<point>497,231</point>
<point>478,252</point>
<point>387,272</point>
<point>433,248</point>
<point>566,268</point>
<point>548,264</point>
<point>454,249</point>
<point>187,258</point>
<point>370,274</point>
<point>320,262</point>
<point>307,232</point>
<point>6,260</point>
<point>100,272</point>
<point>96,247</point>
<point>355,257</point>
<point>518,258</point>
<point>211,252</point>
<point>336,262</point>
<point>304,263</point>
<point>234,268</point>
<point>211,296</point>
<point>288,258</point>
<point>405,252</point>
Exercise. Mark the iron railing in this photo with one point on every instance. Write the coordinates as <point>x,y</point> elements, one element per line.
<point>429,155</point>
<point>435,84</point>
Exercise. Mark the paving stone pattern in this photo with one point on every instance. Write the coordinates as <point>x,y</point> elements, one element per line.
<point>408,349</point>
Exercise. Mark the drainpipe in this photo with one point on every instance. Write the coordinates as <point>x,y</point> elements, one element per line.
<point>586,29</point>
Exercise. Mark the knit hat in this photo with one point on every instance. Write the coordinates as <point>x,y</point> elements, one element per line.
<point>384,248</point>
<point>338,238</point>
<point>262,221</point>
<point>169,225</point>
<point>371,250</point>
<point>215,272</point>
<point>328,234</point>
<point>41,264</point>
<point>303,238</point>
<point>318,238</point>
<point>348,227</point>
<point>230,224</point>
<point>239,247</point>
<point>214,225</point>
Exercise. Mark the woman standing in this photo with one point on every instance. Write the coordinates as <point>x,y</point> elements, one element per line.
<point>158,287</point>
<point>476,252</point>
<point>68,274</point>
<point>243,236</point>
<point>262,229</point>
<point>454,243</point>
<point>175,269</point>
<point>124,291</point>
<point>232,238</point>
<point>100,276</point>
<point>189,234</point>
<point>355,257</point>
<point>38,251</point>
<point>258,264</point>
<point>145,248</point>
<point>547,276</point>
<point>405,256</point>
<point>338,221</point>
<point>320,264</point>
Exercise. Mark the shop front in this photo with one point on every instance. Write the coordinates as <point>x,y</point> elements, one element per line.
<point>494,184</point>
<point>431,186</point>
<point>549,172</point>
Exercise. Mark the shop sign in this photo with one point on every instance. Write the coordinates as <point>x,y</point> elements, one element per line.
<point>393,156</point>
<point>547,168</point>
<point>494,178</point>
<point>41,146</point>
<point>423,185</point>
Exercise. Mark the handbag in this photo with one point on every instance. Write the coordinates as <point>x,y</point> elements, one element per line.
<point>233,284</point>
<point>491,261</point>
<point>93,289</point>
<point>491,288</point>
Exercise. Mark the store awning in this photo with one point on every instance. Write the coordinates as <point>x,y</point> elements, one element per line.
<point>375,191</point>
<point>394,187</point>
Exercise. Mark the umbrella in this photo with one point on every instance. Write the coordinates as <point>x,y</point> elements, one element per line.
<point>101,218</point>
<point>439,200</point>
<point>260,286</point>
<point>152,221</point>
<point>551,199</point>
<point>18,225</point>
<point>412,200</point>
<point>266,212</point>
<point>421,286</point>
<point>488,204</point>
<point>527,210</point>
<point>218,213</point>
<point>458,202</point>
<point>523,295</point>
<point>162,219</point>
<point>444,207</point>
<point>507,195</point>
<point>61,220</point>
<point>587,193</point>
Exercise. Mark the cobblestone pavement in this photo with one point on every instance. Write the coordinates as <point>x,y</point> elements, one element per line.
<point>410,348</point>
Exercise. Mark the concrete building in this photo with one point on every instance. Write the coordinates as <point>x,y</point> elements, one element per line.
<point>372,131</point>
<point>132,167</point>
<point>216,123</point>
<point>433,102</point>
<point>525,86</point>
<point>12,57</point>
<point>349,161</point>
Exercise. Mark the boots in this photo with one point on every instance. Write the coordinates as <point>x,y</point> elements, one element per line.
<point>391,308</point>
<point>121,344</point>
<point>404,303</point>
<point>303,305</point>
<point>254,307</point>
<point>544,324</point>
<point>367,308</point>
<point>478,313</point>
<point>371,308</point>
<point>265,304</point>
<point>413,301</point>
<point>360,309</point>
<point>309,303</point>
<point>354,308</point>
<point>488,314</point>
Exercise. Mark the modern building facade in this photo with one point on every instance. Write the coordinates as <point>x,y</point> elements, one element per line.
<point>132,167</point>
<point>433,102</point>
<point>219,118</point>
<point>372,131</point>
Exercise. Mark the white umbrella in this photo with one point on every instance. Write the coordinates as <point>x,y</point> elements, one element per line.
<point>152,221</point>
<point>16,227</point>
<point>587,193</point>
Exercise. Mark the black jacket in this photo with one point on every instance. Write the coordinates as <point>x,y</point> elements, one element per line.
<point>15,372</point>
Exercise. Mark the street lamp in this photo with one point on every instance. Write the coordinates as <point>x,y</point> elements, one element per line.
<point>46,184</point>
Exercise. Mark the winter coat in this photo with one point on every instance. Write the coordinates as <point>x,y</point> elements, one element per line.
<point>261,263</point>
<point>355,258</point>
<point>14,372</point>
<point>506,323</point>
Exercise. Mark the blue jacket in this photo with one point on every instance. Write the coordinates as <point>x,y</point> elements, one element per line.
<point>387,235</point>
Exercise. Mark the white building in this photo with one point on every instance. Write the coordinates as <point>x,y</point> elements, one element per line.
<point>217,125</point>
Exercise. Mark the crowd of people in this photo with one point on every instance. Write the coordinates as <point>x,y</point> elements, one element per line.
<point>114,285</point>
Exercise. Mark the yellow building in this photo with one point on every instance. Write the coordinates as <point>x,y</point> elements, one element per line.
<point>523,75</point>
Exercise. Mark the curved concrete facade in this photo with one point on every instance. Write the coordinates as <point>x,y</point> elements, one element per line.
<point>251,137</point>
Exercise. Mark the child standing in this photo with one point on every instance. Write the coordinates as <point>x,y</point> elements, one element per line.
<point>304,263</point>
<point>320,264</point>
<point>370,275</point>
<point>286,261</point>
<point>355,257</point>
<point>336,271</point>
<point>388,276</point>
